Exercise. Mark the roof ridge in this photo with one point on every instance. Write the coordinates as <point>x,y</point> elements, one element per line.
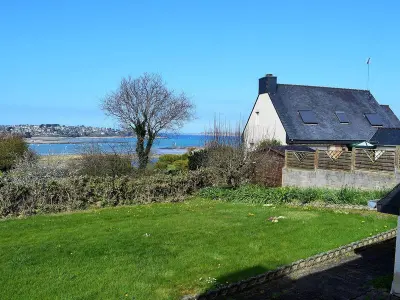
<point>322,86</point>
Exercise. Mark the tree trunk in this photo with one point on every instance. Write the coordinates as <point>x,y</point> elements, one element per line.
<point>140,151</point>
<point>147,149</point>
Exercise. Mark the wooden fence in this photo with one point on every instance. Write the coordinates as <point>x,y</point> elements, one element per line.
<point>357,159</point>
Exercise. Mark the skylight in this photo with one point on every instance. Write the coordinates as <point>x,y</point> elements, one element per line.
<point>374,119</point>
<point>308,117</point>
<point>342,117</point>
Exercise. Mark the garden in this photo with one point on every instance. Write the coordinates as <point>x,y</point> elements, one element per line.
<point>166,250</point>
<point>96,227</point>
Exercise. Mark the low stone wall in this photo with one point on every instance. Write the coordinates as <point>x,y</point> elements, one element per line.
<point>296,266</point>
<point>339,179</point>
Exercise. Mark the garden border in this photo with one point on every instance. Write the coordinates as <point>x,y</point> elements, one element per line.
<point>295,266</point>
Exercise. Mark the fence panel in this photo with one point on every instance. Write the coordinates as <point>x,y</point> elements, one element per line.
<point>375,160</point>
<point>300,159</point>
<point>334,160</point>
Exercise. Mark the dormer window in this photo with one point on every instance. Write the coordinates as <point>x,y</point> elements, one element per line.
<point>374,119</point>
<point>343,119</point>
<point>308,117</point>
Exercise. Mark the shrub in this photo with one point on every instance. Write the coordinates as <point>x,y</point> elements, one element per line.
<point>198,159</point>
<point>172,162</point>
<point>95,161</point>
<point>81,192</point>
<point>267,143</point>
<point>12,147</point>
<point>282,195</point>
<point>232,162</point>
<point>30,169</point>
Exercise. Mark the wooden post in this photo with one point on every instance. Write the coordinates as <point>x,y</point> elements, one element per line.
<point>353,159</point>
<point>286,154</point>
<point>316,157</point>
<point>397,160</point>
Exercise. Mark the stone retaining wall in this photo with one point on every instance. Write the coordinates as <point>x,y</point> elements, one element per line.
<point>339,179</point>
<point>298,265</point>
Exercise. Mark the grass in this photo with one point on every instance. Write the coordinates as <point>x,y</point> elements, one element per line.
<point>164,251</point>
<point>281,195</point>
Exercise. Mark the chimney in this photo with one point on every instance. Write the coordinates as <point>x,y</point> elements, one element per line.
<point>267,84</point>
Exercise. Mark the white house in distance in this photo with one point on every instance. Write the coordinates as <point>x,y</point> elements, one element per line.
<point>319,117</point>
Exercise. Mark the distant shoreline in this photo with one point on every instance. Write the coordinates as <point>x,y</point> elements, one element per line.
<point>83,139</point>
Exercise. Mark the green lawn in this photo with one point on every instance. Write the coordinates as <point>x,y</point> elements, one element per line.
<point>163,251</point>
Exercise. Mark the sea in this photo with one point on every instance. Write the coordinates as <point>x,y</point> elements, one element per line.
<point>168,144</point>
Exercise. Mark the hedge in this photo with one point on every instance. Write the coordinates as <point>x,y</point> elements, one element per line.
<point>75,193</point>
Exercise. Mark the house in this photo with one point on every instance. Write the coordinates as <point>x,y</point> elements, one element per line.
<point>320,117</point>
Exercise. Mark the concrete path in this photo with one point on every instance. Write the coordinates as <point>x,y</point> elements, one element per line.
<point>345,278</point>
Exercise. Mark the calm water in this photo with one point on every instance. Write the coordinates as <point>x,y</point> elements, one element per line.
<point>173,144</point>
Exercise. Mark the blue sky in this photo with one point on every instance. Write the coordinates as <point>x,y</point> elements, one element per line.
<point>59,58</point>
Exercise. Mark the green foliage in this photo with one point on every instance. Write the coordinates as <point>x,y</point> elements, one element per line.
<point>263,195</point>
<point>198,159</point>
<point>268,143</point>
<point>172,162</point>
<point>11,149</point>
<point>81,192</point>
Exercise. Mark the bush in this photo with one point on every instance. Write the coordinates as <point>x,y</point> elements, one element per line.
<point>198,159</point>
<point>30,169</point>
<point>267,143</point>
<point>172,162</point>
<point>232,162</point>
<point>81,192</point>
<point>95,161</point>
<point>262,195</point>
<point>11,149</point>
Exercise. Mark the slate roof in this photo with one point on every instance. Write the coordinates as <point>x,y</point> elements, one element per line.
<point>325,101</point>
<point>281,149</point>
<point>386,137</point>
<point>302,148</point>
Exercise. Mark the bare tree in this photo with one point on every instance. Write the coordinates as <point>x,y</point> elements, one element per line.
<point>146,106</point>
<point>227,153</point>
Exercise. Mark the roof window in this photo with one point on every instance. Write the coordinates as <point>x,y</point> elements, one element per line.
<point>341,115</point>
<point>308,117</point>
<point>374,119</point>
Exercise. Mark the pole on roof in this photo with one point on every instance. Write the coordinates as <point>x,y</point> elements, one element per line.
<point>368,62</point>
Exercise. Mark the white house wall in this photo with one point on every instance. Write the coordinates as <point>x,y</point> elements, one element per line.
<point>265,124</point>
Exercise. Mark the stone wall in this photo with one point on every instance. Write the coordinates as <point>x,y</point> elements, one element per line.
<point>339,179</point>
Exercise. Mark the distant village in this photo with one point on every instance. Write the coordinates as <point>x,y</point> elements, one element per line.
<point>57,130</point>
